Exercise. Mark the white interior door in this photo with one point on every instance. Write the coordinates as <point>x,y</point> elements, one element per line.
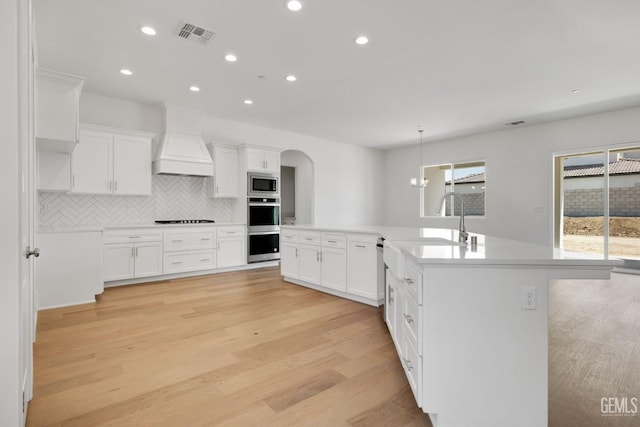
<point>27,202</point>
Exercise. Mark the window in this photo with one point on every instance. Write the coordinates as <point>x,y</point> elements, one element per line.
<point>467,179</point>
<point>597,202</point>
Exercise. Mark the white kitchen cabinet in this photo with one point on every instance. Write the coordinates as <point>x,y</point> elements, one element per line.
<point>189,249</point>
<point>224,182</point>
<point>111,161</point>
<point>289,263</point>
<point>262,160</point>
<point>119,261</point>
<point>309,264</point>
<point>57,99</point>
<point>334,268</point>
<point>91,163</point>
<point>132,253</point>
<point>54,171</point>
<point>69,269</point>
<point>231,246</point>
<point>363,267</point>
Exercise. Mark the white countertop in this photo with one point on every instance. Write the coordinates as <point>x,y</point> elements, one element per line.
<point>428,246</point>
<point>99,228</point>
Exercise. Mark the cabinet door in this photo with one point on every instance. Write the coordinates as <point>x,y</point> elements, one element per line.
<point>255,159</point>
<point>231,252</point>
<point>334,269</point>
<point>391,306</point>
<point>272,161</point>
<point>131,165</point>
<point>310,266</point>
<point>148,257</point>
<point>363,272</point>
<point>91,163</point>
<point>289,260</point>
<point>119,261</point>
<point>226,172</point>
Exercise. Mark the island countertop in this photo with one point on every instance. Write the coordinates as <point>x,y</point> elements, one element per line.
<point>440,246</point>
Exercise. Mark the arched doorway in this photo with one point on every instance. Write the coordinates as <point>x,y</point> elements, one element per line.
<point>296,188</point>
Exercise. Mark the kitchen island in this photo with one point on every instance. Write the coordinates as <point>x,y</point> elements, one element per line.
<point>469,322</point>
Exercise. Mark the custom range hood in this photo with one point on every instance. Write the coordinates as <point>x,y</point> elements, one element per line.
<point>180,149</point>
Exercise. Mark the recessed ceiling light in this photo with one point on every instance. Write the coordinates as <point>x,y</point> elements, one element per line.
<point>194,88</point>
<point>126,72</point>
<point>294,5</point>
<point>150,31</point>
<point>230,57</point>
<point>361,40</point>
<point>291,78</point>
<point>248,101</point>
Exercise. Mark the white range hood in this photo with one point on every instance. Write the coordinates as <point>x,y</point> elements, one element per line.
<point>180,149</point>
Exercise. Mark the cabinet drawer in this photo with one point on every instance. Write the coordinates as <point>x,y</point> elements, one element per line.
<point>230,232</point>
<point>310,238</point>
<point>413,282</point>
<point>189,241</point>
<point>132,235</point>
<point>334,240</point>
<point>412,322</point>
<point>189,261</point>
<point>289,236</point>
<point>412,364</point>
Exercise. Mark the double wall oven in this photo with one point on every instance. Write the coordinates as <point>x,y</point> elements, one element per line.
<point>263,217</point>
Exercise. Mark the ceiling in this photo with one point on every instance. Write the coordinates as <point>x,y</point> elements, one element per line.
<point>453,67</point>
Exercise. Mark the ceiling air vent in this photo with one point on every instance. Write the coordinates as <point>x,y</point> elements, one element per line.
<point>194,33</point>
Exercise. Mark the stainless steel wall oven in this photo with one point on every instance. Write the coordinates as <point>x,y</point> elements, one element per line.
<point>263,220</point>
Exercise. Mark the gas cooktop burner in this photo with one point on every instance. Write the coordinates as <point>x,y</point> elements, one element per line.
<point>185,221</point>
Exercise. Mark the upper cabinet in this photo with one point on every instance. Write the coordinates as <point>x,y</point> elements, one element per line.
<point>57,100</point>
<point>224,183</point>
<point>111,161</point>
<point>262,160</point>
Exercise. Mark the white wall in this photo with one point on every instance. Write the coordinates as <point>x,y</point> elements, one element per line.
<point>120,113</point>
<point>347,177</point>
<point>9,241</point>
<point>519,172</point>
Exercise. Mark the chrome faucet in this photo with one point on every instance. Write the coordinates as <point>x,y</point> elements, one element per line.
<point>462,232</point>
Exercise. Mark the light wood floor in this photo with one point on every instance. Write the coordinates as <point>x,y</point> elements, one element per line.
<point>233,349</point>
<point>247,349</point>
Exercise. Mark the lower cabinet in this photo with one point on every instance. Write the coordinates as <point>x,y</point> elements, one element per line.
<point>70,268</point>
<point>231,247</point>
<point>404,315</point>
<point>289,264</point>
<point>131,253</point>
<point>189,249</point>
<point>180,262</point>
<point>333,261</point>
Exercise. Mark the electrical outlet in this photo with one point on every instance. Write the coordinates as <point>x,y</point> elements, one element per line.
<point>528,298</point>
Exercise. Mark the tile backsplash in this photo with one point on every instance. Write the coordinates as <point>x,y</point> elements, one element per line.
<point>173,197</point>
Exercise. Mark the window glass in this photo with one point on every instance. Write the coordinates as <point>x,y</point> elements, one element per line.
<point>467,179</point>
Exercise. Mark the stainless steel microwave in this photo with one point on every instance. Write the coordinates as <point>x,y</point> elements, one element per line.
<point>262,185</point>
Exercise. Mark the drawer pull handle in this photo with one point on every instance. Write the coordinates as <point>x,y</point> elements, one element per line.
<point>409,365</point>
<point>177,262</point>
<point>205,259</point>
<point>360,246</point>
<point>176,241</point>
<point>134,237</point>
<point>332,241</point>
<point>409,318</point>
<point>308,239</point>
<point>205,239</point>
<point>408,280</point>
